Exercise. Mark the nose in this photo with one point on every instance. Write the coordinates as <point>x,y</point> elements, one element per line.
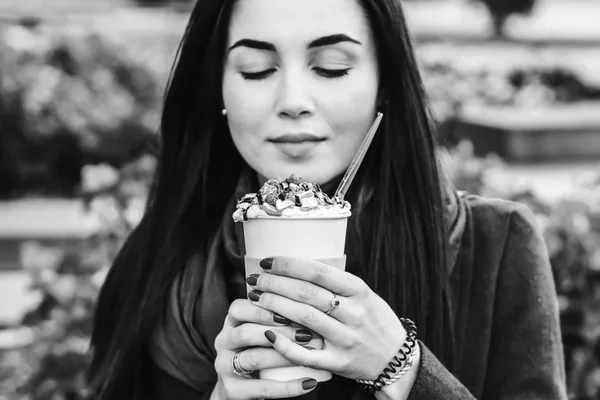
<point>294,100</point>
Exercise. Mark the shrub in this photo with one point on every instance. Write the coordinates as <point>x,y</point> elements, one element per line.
<point>67,100</point>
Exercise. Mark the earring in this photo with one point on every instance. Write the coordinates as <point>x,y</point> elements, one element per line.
<point>224,112</point>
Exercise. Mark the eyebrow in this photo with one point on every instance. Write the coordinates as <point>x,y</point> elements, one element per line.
<point>320,42</point>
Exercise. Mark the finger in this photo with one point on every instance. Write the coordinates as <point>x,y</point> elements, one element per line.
<point>326,276</point>
<point>242,311</point>
<point>250,335</point>
<point>294,289</point>
<point>259,358</point>
<point>315,359</point>
<point>268,389</point>
<point>305,315</point>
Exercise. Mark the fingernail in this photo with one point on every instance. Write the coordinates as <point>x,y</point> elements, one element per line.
<point>267,263</point>
<point>309,384</point>
<point>254,295</point>
<point>252,279</point>
<point>270,336</point>
<point>281,320</point>
<point>303,335</point>
<point>309,347</point>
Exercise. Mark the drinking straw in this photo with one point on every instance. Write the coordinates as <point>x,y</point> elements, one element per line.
<point>357,160</point>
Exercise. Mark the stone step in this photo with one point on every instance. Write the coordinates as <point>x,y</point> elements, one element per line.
<point>51,222</point>
<point>557,133</point>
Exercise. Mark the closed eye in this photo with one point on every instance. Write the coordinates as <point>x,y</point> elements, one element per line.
<point>325,72</point>
<point>331,73</point>
<point>256,76</point>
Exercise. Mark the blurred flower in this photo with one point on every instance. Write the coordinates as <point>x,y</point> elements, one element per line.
<point>100,276</point>
<point>595,260</point>
<point>98,177</point>
<point>135,210</point>
<point>581,223</point>
<point>107,210</point>
<point>37,259</point>
<point>64,288</point>
<point>130,189</point>
<point>22,39</point>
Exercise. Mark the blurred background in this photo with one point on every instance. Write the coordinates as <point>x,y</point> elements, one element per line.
<point>514,85</point>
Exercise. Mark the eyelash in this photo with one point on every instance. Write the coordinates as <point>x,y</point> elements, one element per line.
<point>327,73</point>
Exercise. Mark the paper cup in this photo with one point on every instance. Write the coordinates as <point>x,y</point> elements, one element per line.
<point>320,239</point>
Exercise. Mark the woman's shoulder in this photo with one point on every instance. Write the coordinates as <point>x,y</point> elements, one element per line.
<point>491,212</point>
<point>501,237</point>
<point>495,227</point>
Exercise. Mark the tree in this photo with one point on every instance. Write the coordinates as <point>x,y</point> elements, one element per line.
<point>500,10</point>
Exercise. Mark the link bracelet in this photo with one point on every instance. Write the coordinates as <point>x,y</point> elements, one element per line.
<point>401,363</point>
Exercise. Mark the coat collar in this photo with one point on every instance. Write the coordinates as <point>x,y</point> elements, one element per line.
<point>456,218</point>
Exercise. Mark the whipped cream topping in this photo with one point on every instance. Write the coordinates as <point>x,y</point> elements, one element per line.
<point>290,198</point>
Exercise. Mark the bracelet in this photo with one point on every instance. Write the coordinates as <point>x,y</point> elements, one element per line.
<point>401,363</point>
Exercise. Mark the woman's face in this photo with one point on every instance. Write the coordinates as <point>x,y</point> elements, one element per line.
<point>300,85</point>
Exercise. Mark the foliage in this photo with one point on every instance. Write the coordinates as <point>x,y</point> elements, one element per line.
<point>451,85</point>
<point>66,100</point>
<point>50,365</point>
<point>571,229</point>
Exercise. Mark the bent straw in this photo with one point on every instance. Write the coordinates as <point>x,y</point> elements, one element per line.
<point>357,160</point>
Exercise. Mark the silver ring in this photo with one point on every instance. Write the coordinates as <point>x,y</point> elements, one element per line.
<point>334,303</point>
<point>237,368</point>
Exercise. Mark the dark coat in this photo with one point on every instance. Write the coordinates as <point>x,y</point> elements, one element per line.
<point>505,309</point>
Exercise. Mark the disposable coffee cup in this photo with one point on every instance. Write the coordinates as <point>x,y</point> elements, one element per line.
<point>319,238</point>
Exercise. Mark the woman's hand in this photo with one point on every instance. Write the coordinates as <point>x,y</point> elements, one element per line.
<point>362,334</point>
<point>244,333</point>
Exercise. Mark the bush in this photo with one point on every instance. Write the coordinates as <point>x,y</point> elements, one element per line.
<point>52,362</point>
<point>67,100</point>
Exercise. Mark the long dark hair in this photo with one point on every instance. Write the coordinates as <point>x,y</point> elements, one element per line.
<point>400,231</point>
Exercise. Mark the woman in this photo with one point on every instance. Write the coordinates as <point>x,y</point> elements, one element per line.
<point>267,88</point>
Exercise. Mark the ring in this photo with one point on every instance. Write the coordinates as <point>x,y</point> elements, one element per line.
<point>237,368</point>
<point>334,303</point>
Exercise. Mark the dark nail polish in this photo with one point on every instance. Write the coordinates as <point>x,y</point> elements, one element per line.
<point>254,295</point>
<point>252,279</point>
<point>281,320</point>
<point>303,335</point>
<point>309,347</point>
<point>267,263</point>
<point>270,336</point>
<point>309,384</point>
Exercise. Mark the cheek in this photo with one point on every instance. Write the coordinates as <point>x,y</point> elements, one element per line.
<point>355,108</point>
<point>245,110</point>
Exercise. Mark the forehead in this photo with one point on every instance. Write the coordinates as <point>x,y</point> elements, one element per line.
<point>300,20</point>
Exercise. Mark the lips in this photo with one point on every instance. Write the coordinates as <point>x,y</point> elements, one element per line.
<point>297,138</point>
<point>297,145</point>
